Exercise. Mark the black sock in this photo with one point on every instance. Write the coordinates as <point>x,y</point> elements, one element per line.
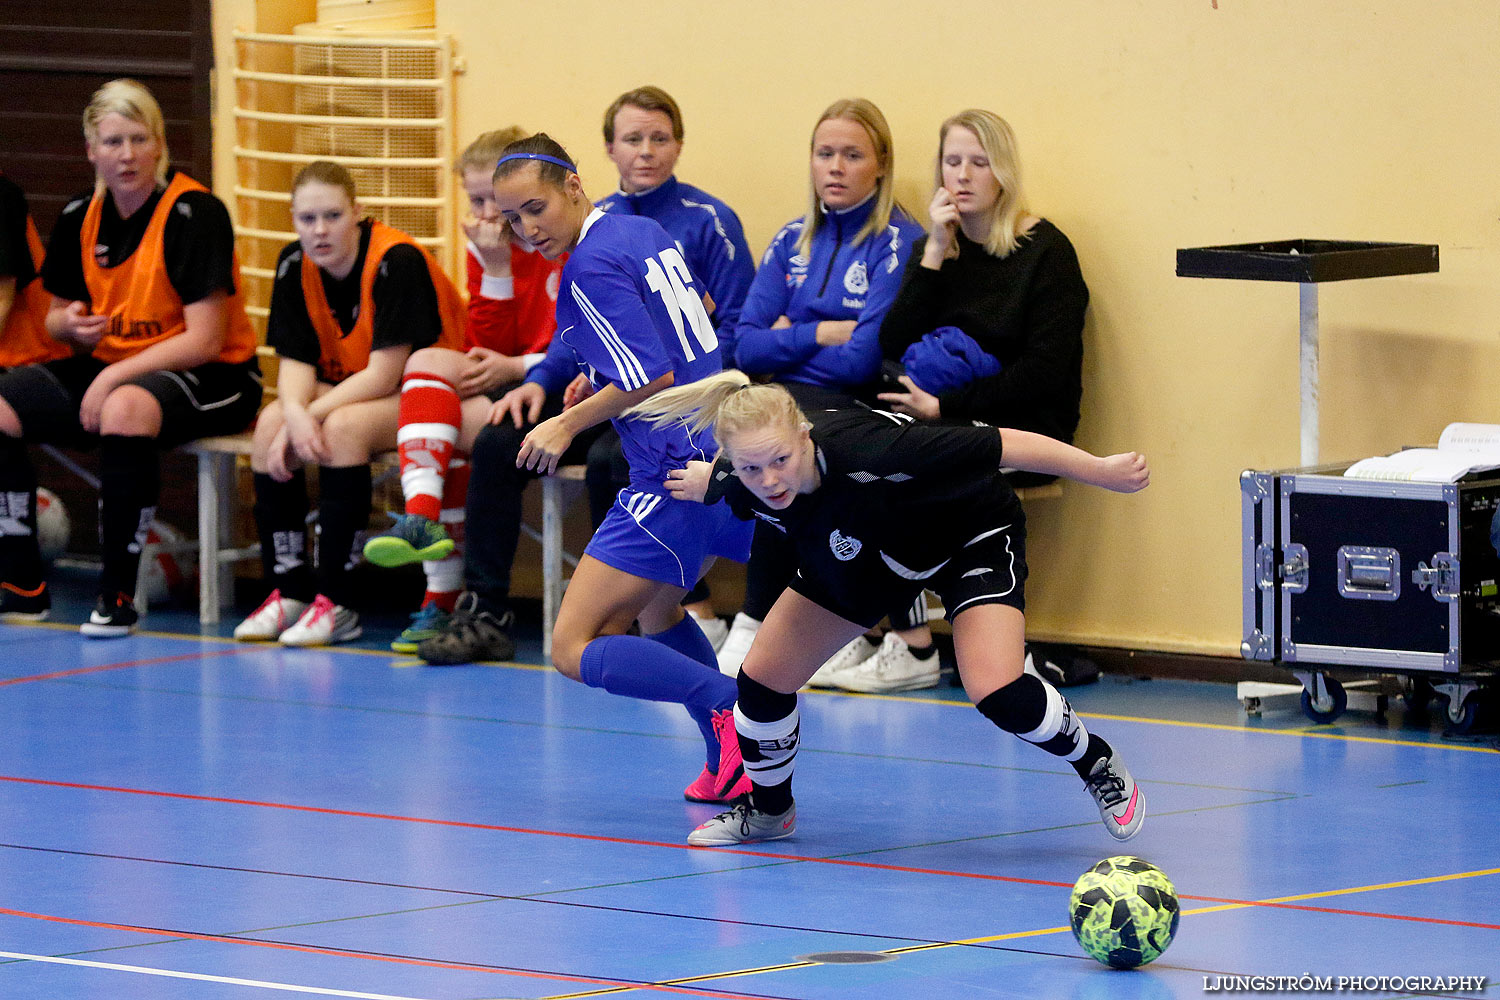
<point>343,512</point>
<point>1096,751</point>
<point>281,522</point>
<point>923,652</point>
<point>20,558</point>
<point>129,486</point>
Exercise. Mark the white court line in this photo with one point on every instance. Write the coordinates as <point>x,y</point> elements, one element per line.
<point>285,987</point>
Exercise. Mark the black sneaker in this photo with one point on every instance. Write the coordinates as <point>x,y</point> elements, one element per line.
<point>112,618</point>
<point>24,604</point>
<point>1061,666</point>
<point>470,635</point>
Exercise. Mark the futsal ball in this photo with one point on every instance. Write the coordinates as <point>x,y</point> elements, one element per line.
<point>1124,912</point>
<point>172,562</point>
<point>53,529</point>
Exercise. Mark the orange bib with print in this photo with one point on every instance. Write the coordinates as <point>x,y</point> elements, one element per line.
<point>342,354</point>
<point>25,340</point>
<point>137,295</point>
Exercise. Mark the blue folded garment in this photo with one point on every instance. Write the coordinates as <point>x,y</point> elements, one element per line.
<point>946,359</point>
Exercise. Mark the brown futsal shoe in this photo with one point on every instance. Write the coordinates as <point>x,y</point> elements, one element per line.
<point>470,635</point>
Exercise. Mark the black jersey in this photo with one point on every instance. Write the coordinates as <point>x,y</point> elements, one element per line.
<point>898,498</point>
<point>406,304</point>
<point>198,245</point>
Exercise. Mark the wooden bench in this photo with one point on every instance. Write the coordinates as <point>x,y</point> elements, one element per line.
<point>217,490</point>
<point>217,554</point>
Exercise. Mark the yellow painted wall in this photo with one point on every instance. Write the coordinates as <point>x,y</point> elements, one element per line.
<point>1145,126</point>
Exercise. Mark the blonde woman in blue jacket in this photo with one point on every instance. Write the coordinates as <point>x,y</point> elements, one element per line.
<point>812,323</point>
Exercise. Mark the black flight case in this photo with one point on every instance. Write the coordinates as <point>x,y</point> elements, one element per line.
<point>1394,577</point>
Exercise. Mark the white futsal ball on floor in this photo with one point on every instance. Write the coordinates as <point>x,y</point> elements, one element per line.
<point>172,564</point>
<point>53,529</point>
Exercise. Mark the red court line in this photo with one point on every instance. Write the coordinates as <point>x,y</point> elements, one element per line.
<point>118,666</point>
<point>463,824</point>
<point>845,862</point>
<point>624,984</point>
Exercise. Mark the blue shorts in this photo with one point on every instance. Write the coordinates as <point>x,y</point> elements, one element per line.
<point>657,538</point>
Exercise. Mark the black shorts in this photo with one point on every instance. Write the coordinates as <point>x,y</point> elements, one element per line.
<point>990,568</point>
<point>212,399</point>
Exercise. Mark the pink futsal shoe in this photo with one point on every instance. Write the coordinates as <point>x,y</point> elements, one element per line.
<point>730,781</point>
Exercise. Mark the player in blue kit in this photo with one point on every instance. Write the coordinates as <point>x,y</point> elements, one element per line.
<point>630,316</point>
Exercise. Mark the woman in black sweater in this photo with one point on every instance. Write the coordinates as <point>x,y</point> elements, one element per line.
<point>1005,277</point>
<point>1009,280</point>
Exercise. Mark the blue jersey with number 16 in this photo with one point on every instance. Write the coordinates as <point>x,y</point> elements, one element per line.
<point>629,311</point>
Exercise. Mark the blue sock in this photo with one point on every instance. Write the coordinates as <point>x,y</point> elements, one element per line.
<point>688,639</point>
<point>652,670</point>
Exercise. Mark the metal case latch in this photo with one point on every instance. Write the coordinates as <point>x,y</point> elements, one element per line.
<point>1369,574</point>
<point>1265,567</point>
<point>1294,570</point>
<point>1441,576</point>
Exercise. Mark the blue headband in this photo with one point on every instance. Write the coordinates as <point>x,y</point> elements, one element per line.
<point>538,156</point>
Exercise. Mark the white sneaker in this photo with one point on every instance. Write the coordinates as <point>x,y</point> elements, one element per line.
<point>715,630</point>
<point>744,824</point>
<point>323,624</point>
<point>857,651</point>
<point>737,643</point>
<point>266,623</point>
<point>892,668</point>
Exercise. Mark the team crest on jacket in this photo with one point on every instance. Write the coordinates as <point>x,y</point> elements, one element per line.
<point>856,280</point>
<point>844,548</point>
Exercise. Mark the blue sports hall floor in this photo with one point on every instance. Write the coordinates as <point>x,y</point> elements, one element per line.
<point>184,817</point>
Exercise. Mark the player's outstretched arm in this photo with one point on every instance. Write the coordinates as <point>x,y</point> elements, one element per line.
<point>1126,472</point>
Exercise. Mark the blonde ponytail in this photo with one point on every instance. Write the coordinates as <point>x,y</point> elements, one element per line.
<point>727,401</point>
<point>696,403</point>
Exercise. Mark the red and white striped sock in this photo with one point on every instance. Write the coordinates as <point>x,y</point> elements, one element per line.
<point>445,577</point>
<point>430,415</point>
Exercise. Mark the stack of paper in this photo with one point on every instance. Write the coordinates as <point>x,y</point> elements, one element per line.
<point>1462,449</point>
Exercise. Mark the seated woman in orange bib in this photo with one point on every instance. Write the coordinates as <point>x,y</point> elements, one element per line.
<point>352,299</point>
<point>24,339</point>
<point>144,287</point>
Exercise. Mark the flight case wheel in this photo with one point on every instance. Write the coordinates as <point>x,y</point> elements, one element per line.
<point>1330,705</point>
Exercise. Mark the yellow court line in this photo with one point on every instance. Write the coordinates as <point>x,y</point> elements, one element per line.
<point>401,661</point>
<point>1309,734</point>
<point>1431,880</point>
<point>1223,907</point>
<point>1146,720</point>
<point>1044,931</point>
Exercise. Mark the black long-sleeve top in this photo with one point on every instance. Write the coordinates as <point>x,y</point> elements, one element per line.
<point>1026,309</point>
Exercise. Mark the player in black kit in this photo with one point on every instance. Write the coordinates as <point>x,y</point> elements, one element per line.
<point>880,507</point>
